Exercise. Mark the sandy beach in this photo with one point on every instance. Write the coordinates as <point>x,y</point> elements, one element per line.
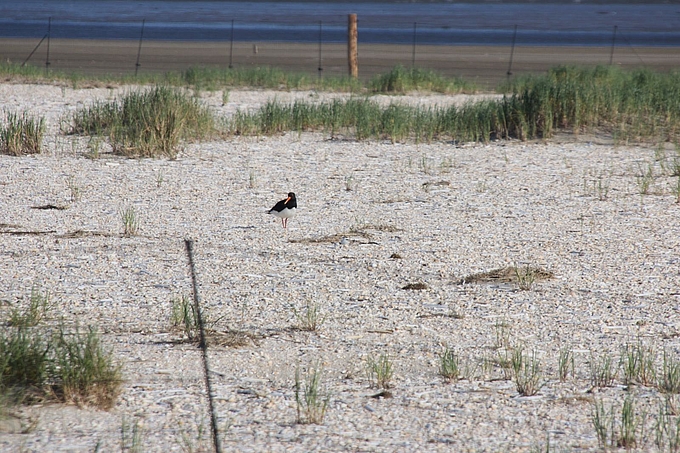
<point>376,222</point>
<point>487,66</point>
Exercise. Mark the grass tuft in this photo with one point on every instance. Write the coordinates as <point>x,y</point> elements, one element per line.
<point>626,432</point>
<point>311,318</point>
<point>380,371</point>
<point>311,400</point>
<point>565,364</point>
<point>669,380</point>
<point>130,221</point>
<point>70,367</point>
<point>145,123</point>
<point>602,371</point>
<point>25,364</point>
<point>185,317</point>
<point>638,364</point>
<point>21,134</point>
<point>449,365</point>
<point>525,277</point>
<point>85,371</point>
<point>131,436</point>
<point>527,372</point>
<point>34,313</point>
<point>667,431</point>
<point>402,80</point>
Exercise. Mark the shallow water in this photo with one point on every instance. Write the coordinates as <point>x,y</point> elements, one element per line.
<point>426,23</point>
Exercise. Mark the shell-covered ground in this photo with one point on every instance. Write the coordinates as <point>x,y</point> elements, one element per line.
<point>383,240</point>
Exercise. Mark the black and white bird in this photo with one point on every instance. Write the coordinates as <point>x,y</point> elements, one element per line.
<point>285,209</point>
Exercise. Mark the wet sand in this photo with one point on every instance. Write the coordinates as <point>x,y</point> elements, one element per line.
<point>486,65</point>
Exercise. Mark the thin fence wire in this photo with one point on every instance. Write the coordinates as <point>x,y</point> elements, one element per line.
<point>321,49</point>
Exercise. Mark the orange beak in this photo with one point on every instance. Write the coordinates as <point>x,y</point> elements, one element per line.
<point>287,200</point>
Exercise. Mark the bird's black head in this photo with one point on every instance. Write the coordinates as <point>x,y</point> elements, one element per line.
<point>291,195</point>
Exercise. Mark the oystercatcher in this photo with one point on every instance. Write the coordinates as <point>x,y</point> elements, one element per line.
<point>285,209</point>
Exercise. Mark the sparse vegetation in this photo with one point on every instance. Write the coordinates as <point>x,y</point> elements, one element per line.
<point>311,318</point>
<point>624,432</point>
<point>402,80</point>
<point>310,398</point>
<point>669,379</point>
<point>84,370</point>
<point>638,364</point>
<point>380,371</point>
<point>667,431</point>
<point>567,98</point>
<point>185,317</point>
<point>527,372</point>
<point>194,438</point>
<point>130,221</point>
<point>71,367</point>
<point>645,178</point>
<point>34,313</point>
<point>74,189</point>
<point>565,364</point>
<point>449,365</point>
<point>25,364</point>
<point>603,371</point>
<point>131,436</point>
<point>502,334</point>
<point>526,276</point>
<point>21,134</point>
<point>160,177</point>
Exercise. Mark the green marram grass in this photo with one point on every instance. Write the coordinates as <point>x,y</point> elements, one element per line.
<point>403,80</point>
<point>70,367</point>
<point>145,123</point>
<point>39,363</point>
<point>32,314</point>
<point>21,134</point>
<point>84,370</point>
<point>25,363</point>
<point>631,106</point>
<point>212,78</point>
<point>311,398</point>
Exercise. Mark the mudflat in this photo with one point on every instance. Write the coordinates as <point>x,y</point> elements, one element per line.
<point>485,65</point>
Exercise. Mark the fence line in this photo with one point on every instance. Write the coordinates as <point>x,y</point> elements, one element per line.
<point>485,64</point>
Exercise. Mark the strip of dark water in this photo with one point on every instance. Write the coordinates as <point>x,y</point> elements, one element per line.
<point>549,24</point>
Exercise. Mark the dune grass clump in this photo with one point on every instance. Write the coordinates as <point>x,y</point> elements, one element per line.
<point>35,366</point>
<point>34,313</point>
<point>42,364</point>
<point>21,134</point>
<point>449,365</point>
<point>311,398</point>
<point>380,371</point>
<point>639,105</point>
<point>365,119</point>
<point>402,80</point>
<point>185,317</point>
<point>625,431</point>
<point>84,370</point>
<point>25,366</point>
<point>632,105</point>
<point>145,123</point>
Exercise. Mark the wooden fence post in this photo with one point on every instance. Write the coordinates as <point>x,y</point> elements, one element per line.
<point>352,49</point>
